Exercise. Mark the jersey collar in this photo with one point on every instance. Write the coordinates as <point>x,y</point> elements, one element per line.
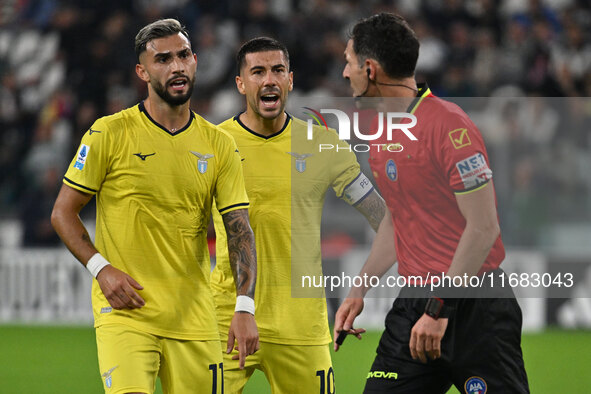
<point>287,120</point>
<point>423,92</point>
<point>142,108</point>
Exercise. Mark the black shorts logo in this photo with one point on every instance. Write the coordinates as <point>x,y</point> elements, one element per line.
<point>382,375</point>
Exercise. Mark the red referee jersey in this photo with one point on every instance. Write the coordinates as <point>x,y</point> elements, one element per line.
<point>420,182</point>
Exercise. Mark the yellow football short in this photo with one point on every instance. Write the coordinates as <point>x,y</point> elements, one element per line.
<point>289,369</point>
<point>130,360</point>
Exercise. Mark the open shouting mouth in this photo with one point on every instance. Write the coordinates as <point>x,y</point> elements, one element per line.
<point>178,84</point>
<point>270,100</point>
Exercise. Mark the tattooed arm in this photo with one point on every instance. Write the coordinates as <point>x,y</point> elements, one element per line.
<point>373,208</point>
<point>116,285</point>
<point>242,251</point>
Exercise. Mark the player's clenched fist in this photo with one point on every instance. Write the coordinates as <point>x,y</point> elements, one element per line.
<point>119,288</point>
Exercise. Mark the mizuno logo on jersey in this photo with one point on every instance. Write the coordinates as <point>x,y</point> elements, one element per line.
<point>300,163</point>
<point>202,162</point>
<point>91,131</point>
<point>143,157</point>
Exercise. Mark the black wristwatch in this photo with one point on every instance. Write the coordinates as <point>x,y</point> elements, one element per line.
<point>436,307</point>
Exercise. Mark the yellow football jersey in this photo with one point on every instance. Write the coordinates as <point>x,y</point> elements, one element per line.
<point>286,181</point>
<point>154,197</point>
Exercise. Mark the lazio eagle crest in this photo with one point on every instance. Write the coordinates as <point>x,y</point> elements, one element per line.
<point>202,162</point>
<point>300,163</point>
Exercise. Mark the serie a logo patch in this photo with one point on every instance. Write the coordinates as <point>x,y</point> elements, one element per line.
<point>475,385</point>
<point>81,157</point>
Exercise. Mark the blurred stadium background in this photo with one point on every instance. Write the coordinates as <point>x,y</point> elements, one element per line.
<point>65,63</point>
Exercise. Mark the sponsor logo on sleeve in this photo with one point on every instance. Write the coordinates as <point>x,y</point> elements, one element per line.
<point>460,138</point>
<point>474,171</point>
<point>81,157</point>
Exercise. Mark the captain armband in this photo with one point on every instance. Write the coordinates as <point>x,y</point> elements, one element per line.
<point>357,190</point>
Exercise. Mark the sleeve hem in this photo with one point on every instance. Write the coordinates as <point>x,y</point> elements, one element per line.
<point>475,188</point>
<point>233,207</point>
<point>78,186</point>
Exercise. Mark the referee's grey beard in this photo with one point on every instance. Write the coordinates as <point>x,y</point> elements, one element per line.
<point>170,99</point>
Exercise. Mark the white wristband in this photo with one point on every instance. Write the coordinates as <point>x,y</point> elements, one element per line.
<point>96,263</point>
<point>244,304</point>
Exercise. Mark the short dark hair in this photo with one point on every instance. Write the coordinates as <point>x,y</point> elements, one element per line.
<point>260,44</point>
<point>160,28</point>
<point>388,39</point>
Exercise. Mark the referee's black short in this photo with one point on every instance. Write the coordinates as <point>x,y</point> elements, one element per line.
<point>480,352</point>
